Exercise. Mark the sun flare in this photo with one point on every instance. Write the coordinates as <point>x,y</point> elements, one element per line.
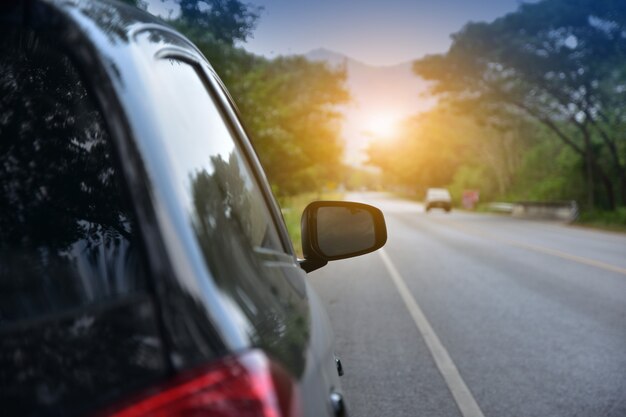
<point>381,126</point>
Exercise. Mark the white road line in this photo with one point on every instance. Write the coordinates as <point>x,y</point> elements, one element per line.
<point>461,393</point>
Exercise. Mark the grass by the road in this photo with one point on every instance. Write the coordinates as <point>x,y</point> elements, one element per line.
<point>607,220</point>
<point>292,208</point>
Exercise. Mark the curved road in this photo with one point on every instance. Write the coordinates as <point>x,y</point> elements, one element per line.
<point>480,315</point>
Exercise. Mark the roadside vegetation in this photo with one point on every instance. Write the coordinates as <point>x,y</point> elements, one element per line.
<point>532,106</point>
<point>601,219</point>
<point>287,104</point>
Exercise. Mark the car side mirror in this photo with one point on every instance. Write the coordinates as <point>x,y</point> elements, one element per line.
<point>333,230</point>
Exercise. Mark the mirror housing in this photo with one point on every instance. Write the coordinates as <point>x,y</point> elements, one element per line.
<point>333,230</point>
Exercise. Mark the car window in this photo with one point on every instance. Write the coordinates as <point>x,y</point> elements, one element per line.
<point>76,320</point>
<point>229,216</point>
<point>212,170</point>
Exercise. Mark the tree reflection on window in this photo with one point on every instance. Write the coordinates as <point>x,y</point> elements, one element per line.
<point>65,230</point>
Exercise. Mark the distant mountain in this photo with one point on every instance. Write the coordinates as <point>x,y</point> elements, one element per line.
<point>386,92</point>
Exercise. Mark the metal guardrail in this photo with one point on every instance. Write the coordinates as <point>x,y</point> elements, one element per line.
<point>501,207</point>
<point>550,210</point>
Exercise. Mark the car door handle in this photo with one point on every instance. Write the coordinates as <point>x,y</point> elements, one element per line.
<point>339,366</point>
<point>338,404</point>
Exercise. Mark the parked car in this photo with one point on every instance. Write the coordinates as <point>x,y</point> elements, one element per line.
<point>145,269</point>
<point>438,198</point>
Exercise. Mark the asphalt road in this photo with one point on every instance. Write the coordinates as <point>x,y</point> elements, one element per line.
<point>480,315</point>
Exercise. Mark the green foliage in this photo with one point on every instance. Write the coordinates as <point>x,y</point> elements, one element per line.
<point>227,20</point>
<point>471,177</point>
<point>286,104</point>
<point>442,148</point>
<point>559,63</point>
<point>610,220</point>
<point>548,172</point>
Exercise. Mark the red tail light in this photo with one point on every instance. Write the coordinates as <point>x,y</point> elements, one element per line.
<point>248,385</point>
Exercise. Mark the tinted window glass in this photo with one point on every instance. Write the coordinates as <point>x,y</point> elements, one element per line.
<point>229,216</point>
<point>76,325</point>
<point>214,174</point>
<point>66,235</point>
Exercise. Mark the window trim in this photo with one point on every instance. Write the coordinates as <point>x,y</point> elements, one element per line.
<point>253,160</point>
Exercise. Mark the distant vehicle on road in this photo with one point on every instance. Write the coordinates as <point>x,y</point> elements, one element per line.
<point>145,269</point>
<point>438,198</point>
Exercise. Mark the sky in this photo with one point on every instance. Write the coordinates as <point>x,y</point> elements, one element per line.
<point>376,32</point>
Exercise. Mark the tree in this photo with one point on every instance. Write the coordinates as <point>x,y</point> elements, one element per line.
<point>432,148</point>
<point>226,20</point>
<point>559,63</point>
<point>287,104</point>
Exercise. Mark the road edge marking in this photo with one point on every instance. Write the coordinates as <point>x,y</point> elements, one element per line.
<point>460,392</point>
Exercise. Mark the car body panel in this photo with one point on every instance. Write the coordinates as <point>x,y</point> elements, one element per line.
<point>115,47</point>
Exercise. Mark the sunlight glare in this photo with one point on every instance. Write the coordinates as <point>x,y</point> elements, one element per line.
<point>381,125</point>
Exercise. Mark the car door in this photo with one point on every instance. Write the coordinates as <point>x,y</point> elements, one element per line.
<point>223,197</point>
<point>322,336</point>
<point>322,339</point>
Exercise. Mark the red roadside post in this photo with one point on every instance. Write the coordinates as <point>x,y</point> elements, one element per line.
<point>470,199</point>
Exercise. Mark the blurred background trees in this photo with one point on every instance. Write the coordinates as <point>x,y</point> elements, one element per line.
<point>287,104</point>
<point>531,106</point>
